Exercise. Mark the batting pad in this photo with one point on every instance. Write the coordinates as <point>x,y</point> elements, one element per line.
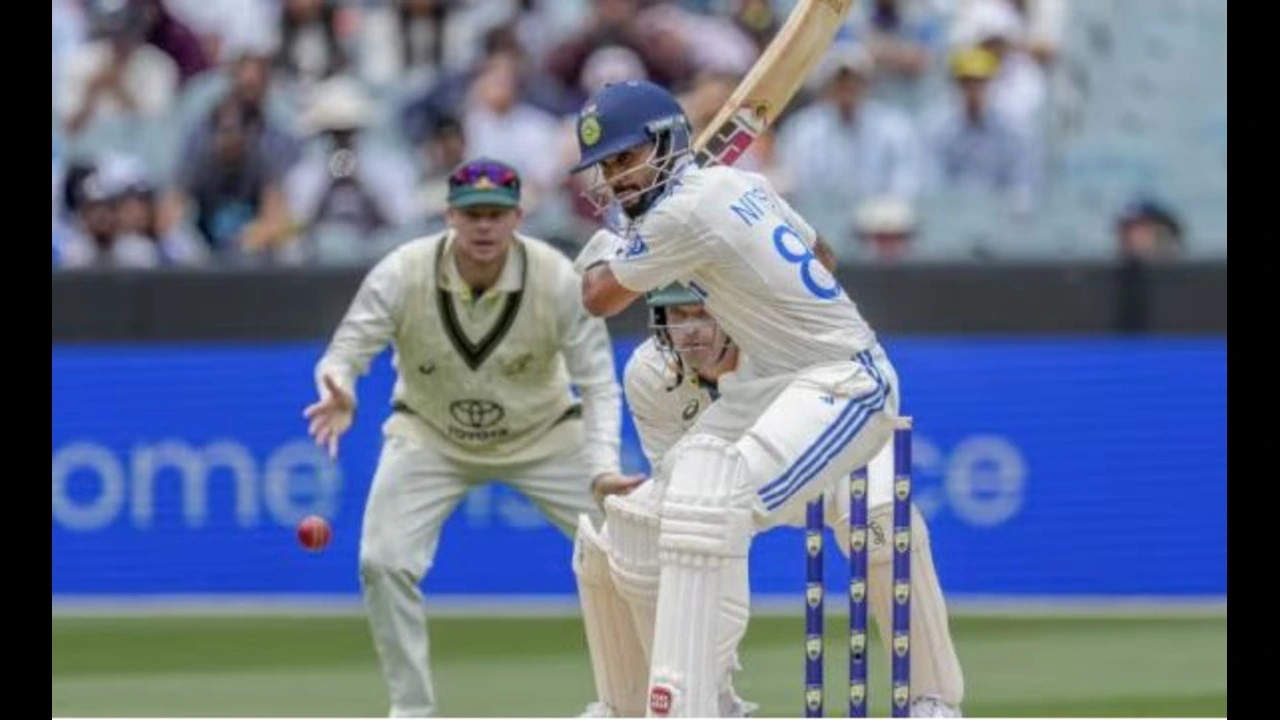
<point>935,668</point>
<point>631,524</point>
<point>617,657</point>
<point>703,598</point>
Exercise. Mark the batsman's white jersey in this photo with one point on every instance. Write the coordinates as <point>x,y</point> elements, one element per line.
<point>483,392</point>
<point>814,379</point>
<point>727,236</point>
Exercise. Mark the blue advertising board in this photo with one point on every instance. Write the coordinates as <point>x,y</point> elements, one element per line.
<point>1045,467</point>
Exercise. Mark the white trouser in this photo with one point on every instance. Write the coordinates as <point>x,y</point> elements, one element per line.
<point>802,436</point>
<point>414,491</point>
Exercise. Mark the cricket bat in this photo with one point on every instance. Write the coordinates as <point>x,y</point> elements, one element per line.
<point>761,96</point>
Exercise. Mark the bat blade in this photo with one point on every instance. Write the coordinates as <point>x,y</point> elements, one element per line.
<point>775,78</point>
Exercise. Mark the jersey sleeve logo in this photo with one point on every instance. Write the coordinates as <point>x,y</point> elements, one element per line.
<point>637,246</point>
<point>690,410</point>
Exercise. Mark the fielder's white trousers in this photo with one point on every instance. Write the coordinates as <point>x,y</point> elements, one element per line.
<point>414,491</point>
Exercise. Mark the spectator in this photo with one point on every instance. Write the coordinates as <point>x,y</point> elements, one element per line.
<point>89,237</point>
<point>1148,231</point>
<point>1019,88</point>
<point>246,76</point>
<point>251,84</point>
<point>844,147</point>
<point>445,150</point>
<point>759,19</point>
<point>610,64</point>
<point>178,41</point>
<point>310,48</point>
<point>885,228</point>
<point>72,190</point>
<point>135,202</point>
<point>541,25</point>
<point>348,196</point>
<point>69,33</point>
<point>973,143</point>
<point>500,126</point>
<point>449,96</point>
<point>414,42</point>
<point>1045,22</point>
<point>229,185</point>
<point>613,22</point>
<point>117,76</point>
<point>905,38</point>
<point>116,224</point>
<point>235,156</point>
<point>60,174</point>
<point>220,24</point>
<point>708,42</point>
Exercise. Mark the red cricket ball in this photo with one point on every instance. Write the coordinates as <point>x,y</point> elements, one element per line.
<point>314,532</point>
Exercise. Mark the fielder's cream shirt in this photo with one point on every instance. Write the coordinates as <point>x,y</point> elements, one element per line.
<point>485,379</point>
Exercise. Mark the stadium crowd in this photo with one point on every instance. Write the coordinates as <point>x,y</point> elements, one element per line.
<point>250,132</point>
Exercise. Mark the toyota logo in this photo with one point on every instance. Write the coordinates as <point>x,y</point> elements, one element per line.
<point>477,413</point>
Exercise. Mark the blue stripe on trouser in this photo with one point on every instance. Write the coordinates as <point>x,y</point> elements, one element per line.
<point>814,451</point>
<point>801,465</point>
<point>847,429</point>
<point>828,445</point>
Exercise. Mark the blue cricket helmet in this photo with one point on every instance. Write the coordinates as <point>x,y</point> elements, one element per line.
<point>624,115</point>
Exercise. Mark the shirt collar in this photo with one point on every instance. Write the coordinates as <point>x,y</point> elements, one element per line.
<point>511,279</point>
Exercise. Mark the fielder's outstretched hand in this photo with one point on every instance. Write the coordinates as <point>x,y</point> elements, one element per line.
<point>330,416</point>
<point>607,484</point>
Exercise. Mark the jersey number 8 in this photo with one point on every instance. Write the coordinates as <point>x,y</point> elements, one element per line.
<point>805,258</point>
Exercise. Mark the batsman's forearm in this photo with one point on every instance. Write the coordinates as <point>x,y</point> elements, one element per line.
<point>602,294</point>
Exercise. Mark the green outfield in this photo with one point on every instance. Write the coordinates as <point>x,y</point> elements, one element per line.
<point>324,666</point>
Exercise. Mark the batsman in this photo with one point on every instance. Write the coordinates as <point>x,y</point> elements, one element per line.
<point>817,398</point>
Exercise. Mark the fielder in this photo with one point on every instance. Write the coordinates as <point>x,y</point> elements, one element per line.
<point>489,334</point>
<point>816,400</point>
<point>668,384</point>
<point>671,378</point>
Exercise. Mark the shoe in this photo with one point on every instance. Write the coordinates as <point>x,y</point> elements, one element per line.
<point>930,706</point>
<point>597,709</point>
<point>730,704</point>
<point>733,706</point>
